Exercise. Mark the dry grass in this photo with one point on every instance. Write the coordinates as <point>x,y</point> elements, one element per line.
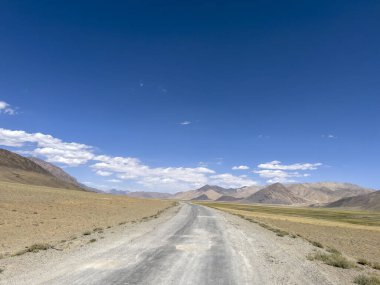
<point>333,259</point>
<point>34,248</point>
<point>367,280</point>
<point>327,228</point>
<point>42,215</point>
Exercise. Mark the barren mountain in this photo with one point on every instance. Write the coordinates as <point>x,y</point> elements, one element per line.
<point>274,194</point>
<point>16,168</point>
<point>247,191</point>
<point>226,198</point>
<point>369,201</point>
<point>13,160</point>
<point>202,197</point>
<point>211,191</point>
<point>57,172</point>
<point>151,195</point>
<point>340,190</point>
<point>298,193</point>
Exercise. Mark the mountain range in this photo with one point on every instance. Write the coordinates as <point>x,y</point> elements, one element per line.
<point>305,194</point>
<point>34,171</point>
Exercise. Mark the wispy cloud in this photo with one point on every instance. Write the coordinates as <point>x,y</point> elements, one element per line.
<point>240,167</point>
<point>103,173</point>
<point>296,166</point>
<point>129,169</point>
<point>114,180</point>
<point>231,181</point>
<point>53,149</point>
<point>275,171</point>
<point>329,136</point>
<point>184,123</point>
<point>274,176</point>
<point>5,108</point>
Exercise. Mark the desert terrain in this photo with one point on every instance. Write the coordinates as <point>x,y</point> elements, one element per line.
<point>189,244</point>
<point>58,217</point>
<point>352,232</point>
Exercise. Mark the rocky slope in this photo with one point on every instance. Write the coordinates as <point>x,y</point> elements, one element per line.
<point>369,201</point>
<point>298,193</point>
<point>19,169</point>
<point>274,194</point>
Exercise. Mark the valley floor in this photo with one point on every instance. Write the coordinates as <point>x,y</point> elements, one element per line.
<point>189,244</point>
<point>63,218</point>
<point>353,232</point>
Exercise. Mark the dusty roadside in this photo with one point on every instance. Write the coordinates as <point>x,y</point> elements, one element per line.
<point>33,217</point>
<point>186,245</point>
<point>31,265</point>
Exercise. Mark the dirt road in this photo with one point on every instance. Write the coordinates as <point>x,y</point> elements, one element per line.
<point>196,245</point>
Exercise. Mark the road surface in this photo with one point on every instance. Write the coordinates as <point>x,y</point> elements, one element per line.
<point>198,245</point>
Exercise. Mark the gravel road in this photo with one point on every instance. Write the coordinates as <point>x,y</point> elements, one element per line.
<point>195,245</point>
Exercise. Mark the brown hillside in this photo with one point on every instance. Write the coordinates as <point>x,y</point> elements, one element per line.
<point>369,201</point>
<point>18,169</point>
<point>274,194</point>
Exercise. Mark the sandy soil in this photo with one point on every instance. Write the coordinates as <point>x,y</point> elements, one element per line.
<point>187,245</point>
<point>356,241</point>
<point>59,217</point>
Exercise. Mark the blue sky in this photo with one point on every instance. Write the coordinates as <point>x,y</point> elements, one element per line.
<point>183,92</point>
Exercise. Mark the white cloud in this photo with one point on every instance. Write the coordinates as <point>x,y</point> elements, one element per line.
<point>124,168</point>
<point>115,180</point>
<point>230,181</point>
<point>329,136</point>
<point>240,167</point>
<point>169,178</point>
<point>103,173</point>
<point>129,168</point>
<point>6,108</point>
<point>274,171</point>
<point>274,176</point>
<point>52,149</point>
<point>184,123</point>
<point>202,164</point>
<point>297,166</point>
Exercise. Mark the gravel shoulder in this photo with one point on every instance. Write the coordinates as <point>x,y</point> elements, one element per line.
<point>188,244</point>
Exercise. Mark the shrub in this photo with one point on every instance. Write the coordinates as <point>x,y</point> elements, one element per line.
<point>367,280</point>
<point>1,270</point>
<point>281,233</point>
<point>363,261</point>
<point>332,259</point>
<point>92,240</point>
<point>316,243</point>
<point>86,233</point>
<point>333,250</point>
<point>34,248</point>
<point>376,266</point>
